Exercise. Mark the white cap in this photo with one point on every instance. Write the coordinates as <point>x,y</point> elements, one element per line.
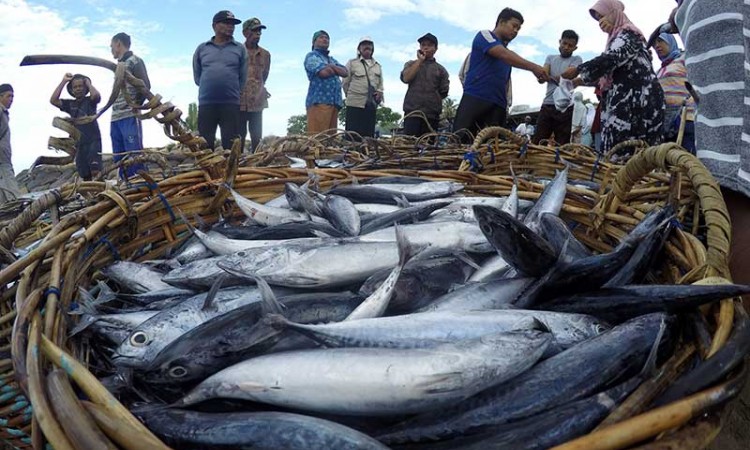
<point>364,39</point>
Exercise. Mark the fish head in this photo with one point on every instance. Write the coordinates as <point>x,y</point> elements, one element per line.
<point>176,371</point>
<point>132,351</point>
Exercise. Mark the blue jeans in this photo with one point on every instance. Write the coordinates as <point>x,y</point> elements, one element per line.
<point>127,136</point>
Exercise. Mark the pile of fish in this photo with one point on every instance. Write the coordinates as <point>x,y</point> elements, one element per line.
<point>392,313</point>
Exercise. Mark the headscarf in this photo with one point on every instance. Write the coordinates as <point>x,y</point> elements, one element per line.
<point>318,34</point>
<point>674,49</point>
<point>579,111</point>
<point>616,11</point>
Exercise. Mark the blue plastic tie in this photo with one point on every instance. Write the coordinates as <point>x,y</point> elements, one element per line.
<point>524,148</point>
<point>52,290</point>
<point>557,154</point>
<point>595,168</point>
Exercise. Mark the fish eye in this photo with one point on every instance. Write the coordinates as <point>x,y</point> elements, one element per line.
<point>486,228</point>
<point>178,372</point>
<point>138,339</point>
<point>599,329</point>
<point>241,254</point>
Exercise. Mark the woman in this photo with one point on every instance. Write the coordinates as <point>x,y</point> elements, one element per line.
<point>364,89</point>
<point>633,99</point>
<point>672,77</point>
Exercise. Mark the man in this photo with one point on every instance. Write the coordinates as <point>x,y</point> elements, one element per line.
<point>125,129</point>
<point>324,97</point>
<point>428,86</point>
<point>484,102</point>
<point>8,184</point>
<point>220,72</point>
<point>551,121</point>
<point>525,129</point>
<point>254,97</point>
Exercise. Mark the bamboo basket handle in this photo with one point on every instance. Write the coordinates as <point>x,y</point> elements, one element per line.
<point>496,132</point>
<point>635,143</point>
<point>710,199</point>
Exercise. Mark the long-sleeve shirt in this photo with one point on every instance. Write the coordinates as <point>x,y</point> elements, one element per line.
<point>254,96</point>
<point>356,85</point>
<point>220,71</point>
<point>427,89</point>
<point>5,152</point>
<point>136,66</point>
<point>672,77</point>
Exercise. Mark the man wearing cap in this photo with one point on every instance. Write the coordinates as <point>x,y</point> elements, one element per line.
<point>254,97</point>
<point>364,89</point>
<point>428,86</point>
<point>125,130</point>
<point>220,71</point>
<point>525,129</point>
<point>8,184</point>
<point>484,101</point>
<point>324,99</point>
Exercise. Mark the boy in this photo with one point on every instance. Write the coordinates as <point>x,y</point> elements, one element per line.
<point>484,102</point>
<point>89,146</point>
<point>550,119</point>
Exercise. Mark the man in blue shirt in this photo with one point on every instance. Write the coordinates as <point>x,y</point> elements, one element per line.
<point>324,97</point>
<point>484,102</point>
<point>220,71</point>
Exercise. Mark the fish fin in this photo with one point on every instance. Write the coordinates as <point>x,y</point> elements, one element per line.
<point>184,218</point>
<point>86,321</point>
<point>269,305</point>
<point>405,250</point>
<point>355,181</point>
<point>441,383</point>
<point>649,368</point>
<point>468,260</point>
<point>200,223</point>
<point>402,201</point>
<point>211,295</point>
<point>276,321</point>
<point>540,326</point>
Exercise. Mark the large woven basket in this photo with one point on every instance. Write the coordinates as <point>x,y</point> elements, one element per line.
<point>43,376</point>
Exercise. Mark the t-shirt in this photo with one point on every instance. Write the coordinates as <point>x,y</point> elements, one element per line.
<point>82,108</point>
<point>322,91</point>
<point>220,71</point>
<point>488,76</point>
<point>557,65</point>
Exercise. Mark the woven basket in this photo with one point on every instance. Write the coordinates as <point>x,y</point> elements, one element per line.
<point>41,366</point>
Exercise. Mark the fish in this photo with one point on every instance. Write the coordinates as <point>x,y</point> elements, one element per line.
<point>299,199</point>
<point>523,248</point>
<point>135,277</point>
<point>342,214</point>
<point>291,230</point>
<point>266,215</point>
<point>496,294</point>
<point>389,193</point>
<point>402,215</point>
<point>151,336</point>
<point>442,235</point>
<point>575,373</point>
<point>257,430</point>
<point>550,201</point>
<point>624,302</point>
<point>554,230</point>
<point>421,330</point>
<point>421,281</point>
<point>240,334</point>
<point>375,381</point>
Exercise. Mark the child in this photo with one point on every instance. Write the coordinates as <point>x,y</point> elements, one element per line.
<point>89,147</point>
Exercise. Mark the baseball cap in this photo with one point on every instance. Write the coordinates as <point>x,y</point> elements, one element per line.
<point>365,39</point>
<point>5,87</point>
<point>252,24</point>
<point>225,15</point>
<point>428,37</point>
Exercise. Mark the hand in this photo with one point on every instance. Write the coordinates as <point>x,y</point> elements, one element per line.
<point>540,74</point>
<point>378,96</point>
<point>87,82</point>
<point>420,55</point>
<point>570,73</point>
<point>577,82</point>
<point>67,77</point>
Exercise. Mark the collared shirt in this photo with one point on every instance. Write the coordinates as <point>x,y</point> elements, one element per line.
<point>427,90</point>
<point>356,85</point>
<point>254,96</point>
<point>487,77</point>
<point>322,91</point>
<point>220,71</point>
<point>136,66</point>
<point>5,152</point>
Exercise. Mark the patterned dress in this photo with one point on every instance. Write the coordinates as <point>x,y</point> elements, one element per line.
<point>634,103</point>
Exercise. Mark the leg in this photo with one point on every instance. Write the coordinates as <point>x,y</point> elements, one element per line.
<point>95,163</point>
<point>413,126</point>
<point>244,126</point>
<point>118,144</point>
<point>229,120</point>
<point>208,120</point>
<point>130,128</point>
<point>333,117</point>
<point>544,124</point>
<point>317,119</point>
<point>471,115</point>
<point>83,156</point>
<point>255,127</point>
<point>563,123</point>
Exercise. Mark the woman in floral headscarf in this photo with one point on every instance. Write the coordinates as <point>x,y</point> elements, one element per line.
<point>632,97</point>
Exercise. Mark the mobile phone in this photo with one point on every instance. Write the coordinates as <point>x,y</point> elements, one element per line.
<point>420,52</point>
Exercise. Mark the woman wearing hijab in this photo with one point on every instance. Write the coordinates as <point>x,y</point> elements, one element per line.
<point>632,97</point>
<point>579,118</point>
<point>364,89</point>
<point>672,76</point>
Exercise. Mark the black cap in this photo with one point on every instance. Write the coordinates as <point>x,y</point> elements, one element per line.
<point>5,87</point>
<point>225,15</point>
<point>428,37</point>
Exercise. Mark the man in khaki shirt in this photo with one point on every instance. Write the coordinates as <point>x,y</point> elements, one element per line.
<point>254,97</point>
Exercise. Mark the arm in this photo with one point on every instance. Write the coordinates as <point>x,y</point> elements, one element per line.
<point>379,88</point>
<point>410,70</point>
<point>623,48</point>
<point>139,71</point>
<point>267,68</point>
<point>55,98</point>
<point>243,67</point>
<point>512,58</point>
<point>95,95</point>
<point>347,81</point>
<point>197,67</point>
<point>444,83</point>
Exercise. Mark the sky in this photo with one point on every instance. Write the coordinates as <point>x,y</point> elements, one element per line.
<point>165,34</point>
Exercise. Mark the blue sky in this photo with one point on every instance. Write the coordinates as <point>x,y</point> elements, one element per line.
<point>165,33</point>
